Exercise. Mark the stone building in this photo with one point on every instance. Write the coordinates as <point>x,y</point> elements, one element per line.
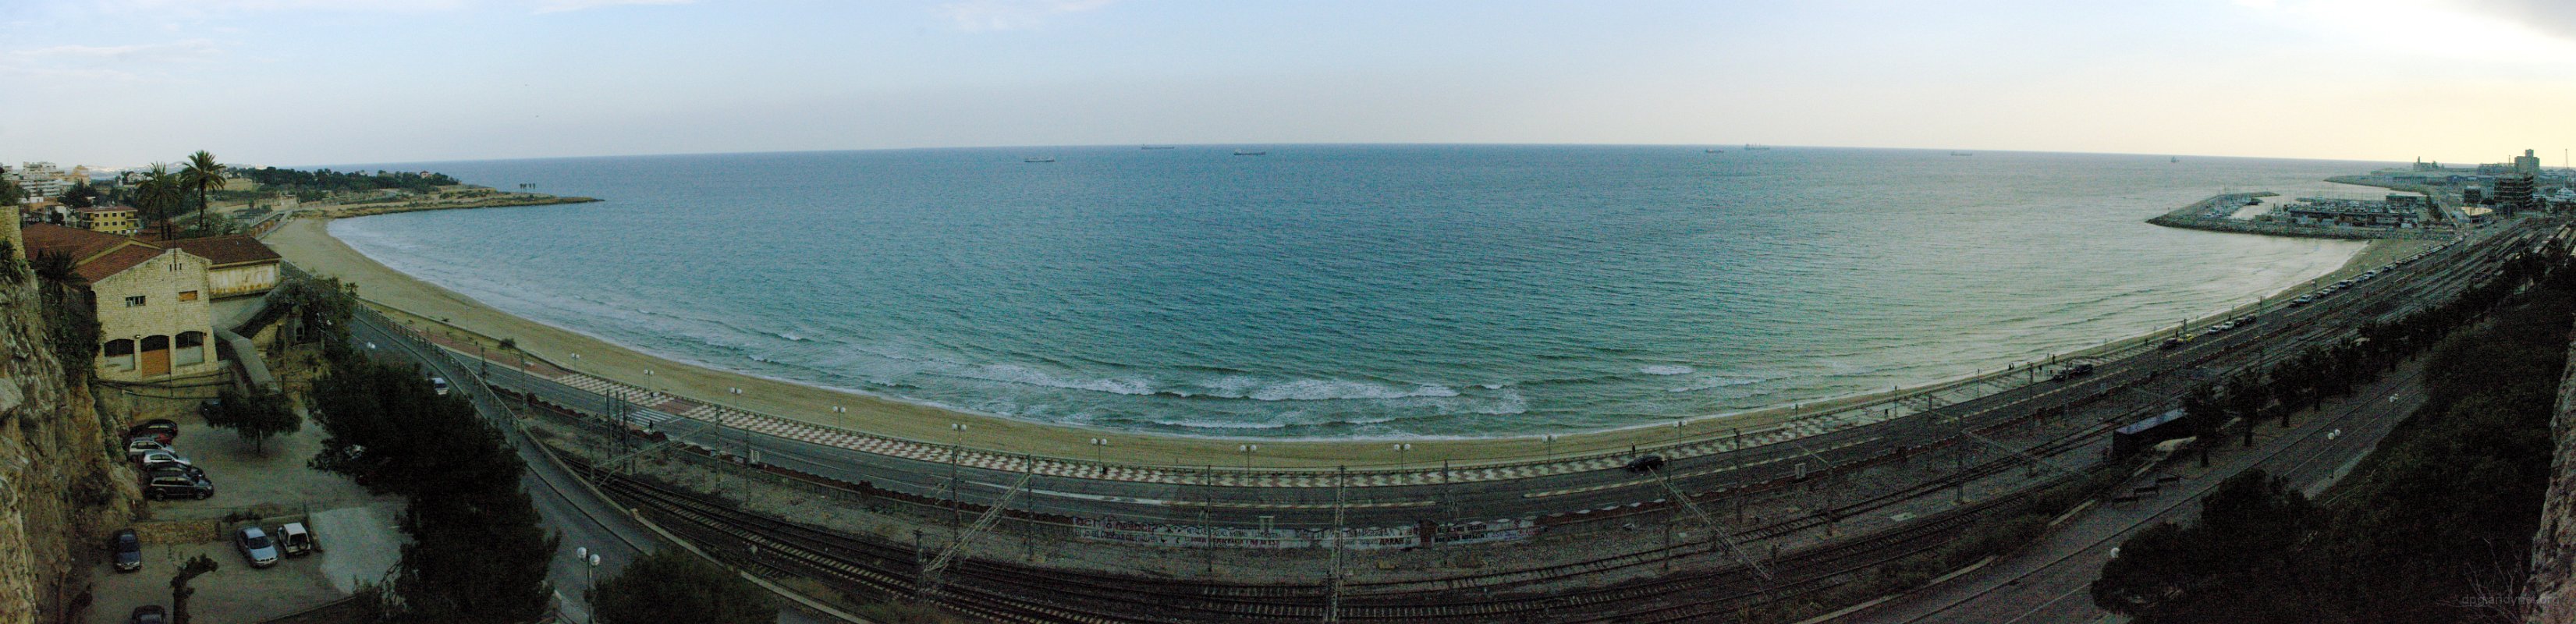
<point>152,302</point>
<point>239,265</point>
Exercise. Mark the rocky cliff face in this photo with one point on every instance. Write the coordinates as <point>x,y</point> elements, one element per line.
<point>61,492</point>
<point>2551,594</point>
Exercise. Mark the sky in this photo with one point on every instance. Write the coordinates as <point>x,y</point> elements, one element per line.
<point>312,82</point>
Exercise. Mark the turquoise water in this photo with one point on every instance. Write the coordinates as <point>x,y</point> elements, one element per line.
<point>1335,291</point>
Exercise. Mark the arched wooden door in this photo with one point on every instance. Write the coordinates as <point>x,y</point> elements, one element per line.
<point>156,355</point>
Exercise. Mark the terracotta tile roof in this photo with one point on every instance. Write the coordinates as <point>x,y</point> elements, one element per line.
<point>115,262</point>
<point>80,244</point>
<point>228,250</point>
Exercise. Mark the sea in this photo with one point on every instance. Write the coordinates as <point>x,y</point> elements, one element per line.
<point>1358,291</point>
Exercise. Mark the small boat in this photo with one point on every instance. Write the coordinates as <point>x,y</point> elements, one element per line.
<point>1250,153</point>
<point>1154,147</point>
<point>1751,147</point>
<point>1039,159</point>
<point>1714,151</point>
<point>2176,159</point>
<point>1963,153</point>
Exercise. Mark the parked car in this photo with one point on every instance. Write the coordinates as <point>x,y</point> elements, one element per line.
<point>2170,343</point>
<point>165,460</point>
<point>127,550</point>
<point>136,446</point>
<point>148,614</point>
<point>439,385</point>
<point>1647,463</point>
<point>162,430</point>
<point>169,484</point>
<point>254,546</point>
<point>295,541</point>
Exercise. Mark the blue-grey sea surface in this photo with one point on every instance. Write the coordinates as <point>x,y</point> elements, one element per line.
<point>1357,291</point>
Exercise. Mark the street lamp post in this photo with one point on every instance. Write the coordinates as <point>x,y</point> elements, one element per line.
<point>590,560</point>
<point>954,494</point>
<point>1247,454</point>
<point>1400,448</point>
<point>1099,448</point>
<point>1550,440</point>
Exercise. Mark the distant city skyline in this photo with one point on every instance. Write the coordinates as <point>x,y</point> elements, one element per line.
<point>120,83</point>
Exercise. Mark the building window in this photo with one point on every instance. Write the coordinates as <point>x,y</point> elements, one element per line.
<point>187,295</point>
<point>191,349</point>
<point>134,301</point>
<point>119,354</point>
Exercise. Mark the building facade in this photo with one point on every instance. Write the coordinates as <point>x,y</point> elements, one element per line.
<point>2516,193</point>
<point>154,321</point>
<point>152,302</point>
<point>118,220</point>
<point>237,265</point>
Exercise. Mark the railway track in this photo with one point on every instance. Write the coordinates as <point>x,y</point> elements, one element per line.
<point>1006,592</point>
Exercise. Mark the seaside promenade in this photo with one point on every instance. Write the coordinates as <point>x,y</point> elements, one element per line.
<point>823,414</point>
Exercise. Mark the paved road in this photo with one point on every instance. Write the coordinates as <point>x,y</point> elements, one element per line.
<point>583,521</point>
<point>2048,583</point>
<point>2284,331</point>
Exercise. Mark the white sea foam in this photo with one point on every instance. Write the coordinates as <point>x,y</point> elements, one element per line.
<point>1665,369</point>
<point>1326,390</point>
<point>1713,382</point>
<point>1022,375</point>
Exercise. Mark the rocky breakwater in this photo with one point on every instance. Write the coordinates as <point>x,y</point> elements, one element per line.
<point>61,491</point>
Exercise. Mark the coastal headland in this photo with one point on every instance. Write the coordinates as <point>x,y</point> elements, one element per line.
<point>308,243</point>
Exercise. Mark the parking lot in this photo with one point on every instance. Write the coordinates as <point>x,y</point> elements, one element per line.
<point>357,531</point>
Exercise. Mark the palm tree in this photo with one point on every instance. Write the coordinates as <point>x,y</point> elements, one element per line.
<point>159,196</point>
<point>203,175</point>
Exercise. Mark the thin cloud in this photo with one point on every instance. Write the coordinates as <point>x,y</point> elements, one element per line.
<point>104,62</point>
<point>979,15</point>
<point>205,8</point>
<point>202,8</point>
<point>559,6</point>
<point>2555,17</point>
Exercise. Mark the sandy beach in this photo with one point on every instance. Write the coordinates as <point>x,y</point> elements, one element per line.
<point>307,243</point>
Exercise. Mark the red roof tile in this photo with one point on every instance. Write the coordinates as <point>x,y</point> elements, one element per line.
<point>115,262</point>
<point>227,250</point>
<point>80,244</point>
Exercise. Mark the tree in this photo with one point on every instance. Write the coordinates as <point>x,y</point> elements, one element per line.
<point>475,557</point>
<point>256,417</point>
<point>160,196</point>
<point>202,175</point>
<point>2245,546</point>
<point>478,554</point>
<point>672,585</point>
<point>179,590</point>
<point>80,195</point>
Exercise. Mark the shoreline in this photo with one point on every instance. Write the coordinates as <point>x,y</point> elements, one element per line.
<point>308,243</point>
<point>504,200</point>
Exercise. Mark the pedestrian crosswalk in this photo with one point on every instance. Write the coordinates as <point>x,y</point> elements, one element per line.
<point>659,410</point>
